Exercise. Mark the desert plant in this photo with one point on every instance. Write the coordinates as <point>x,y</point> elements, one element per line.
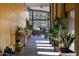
<point>67,39</point>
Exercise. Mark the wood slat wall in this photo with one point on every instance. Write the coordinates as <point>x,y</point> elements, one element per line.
<point>60,8</point>
<point>69,6</point>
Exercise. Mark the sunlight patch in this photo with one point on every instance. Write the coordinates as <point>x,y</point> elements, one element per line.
<point>48,45</point>
<point>42,41</point>
<point>45,48</point>
<point>48,53</point>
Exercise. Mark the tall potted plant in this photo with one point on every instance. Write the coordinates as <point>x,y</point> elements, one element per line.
<point>54,32</point>
<point>59,24</point>
<point>53,38</point>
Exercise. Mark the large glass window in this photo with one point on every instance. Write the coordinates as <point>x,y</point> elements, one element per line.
<point>37,14</point>
<point>39,18</point>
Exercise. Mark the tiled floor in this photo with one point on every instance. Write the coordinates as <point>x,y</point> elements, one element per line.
<point>38,46</point>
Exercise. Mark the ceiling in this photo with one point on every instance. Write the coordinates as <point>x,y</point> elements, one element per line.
<point>37,4</point>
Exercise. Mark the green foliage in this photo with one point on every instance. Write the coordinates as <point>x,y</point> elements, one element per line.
<point>30,27</point>
<point>17,30</point>
<point>57,22</point>
<point>67,39</point>
<point>17,42</point>
<point>60,24</point>
<point>54,31</point>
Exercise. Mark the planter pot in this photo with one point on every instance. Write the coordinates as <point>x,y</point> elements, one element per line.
<point>50,39</point>
<point>18,48</point>
<point>65,50</point>
<point>18,37</point>
<point>68,54</point>
<point>50,42</point>
<point>56,48</point>
<point>17,40</point>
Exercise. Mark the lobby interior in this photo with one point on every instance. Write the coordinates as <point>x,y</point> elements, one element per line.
<point>29,29</point>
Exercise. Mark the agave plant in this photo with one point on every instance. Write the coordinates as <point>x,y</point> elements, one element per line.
<point>67,39</point>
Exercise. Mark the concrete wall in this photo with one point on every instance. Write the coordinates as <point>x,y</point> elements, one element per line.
<point>11,15</point>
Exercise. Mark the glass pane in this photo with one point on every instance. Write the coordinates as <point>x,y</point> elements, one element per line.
<point>30,14</point>
<point>40,15</point>
<point>46,17</point>
<point>36,15</point>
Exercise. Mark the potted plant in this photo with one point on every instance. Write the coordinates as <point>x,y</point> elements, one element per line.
<point>67,39</point>
<point>55,43</point>
<point>19,36</point>
<point>59,24</point>
<point>53,37</point>
<point>18,33</point>
<point>54,33</point>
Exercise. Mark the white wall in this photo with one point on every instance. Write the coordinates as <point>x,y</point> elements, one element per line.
<point>71,23</point>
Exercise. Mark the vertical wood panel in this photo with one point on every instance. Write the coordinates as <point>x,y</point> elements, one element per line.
<point>77,29</point>
<point>69,6</point>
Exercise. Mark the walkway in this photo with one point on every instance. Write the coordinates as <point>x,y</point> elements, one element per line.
<point>38,46</point>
